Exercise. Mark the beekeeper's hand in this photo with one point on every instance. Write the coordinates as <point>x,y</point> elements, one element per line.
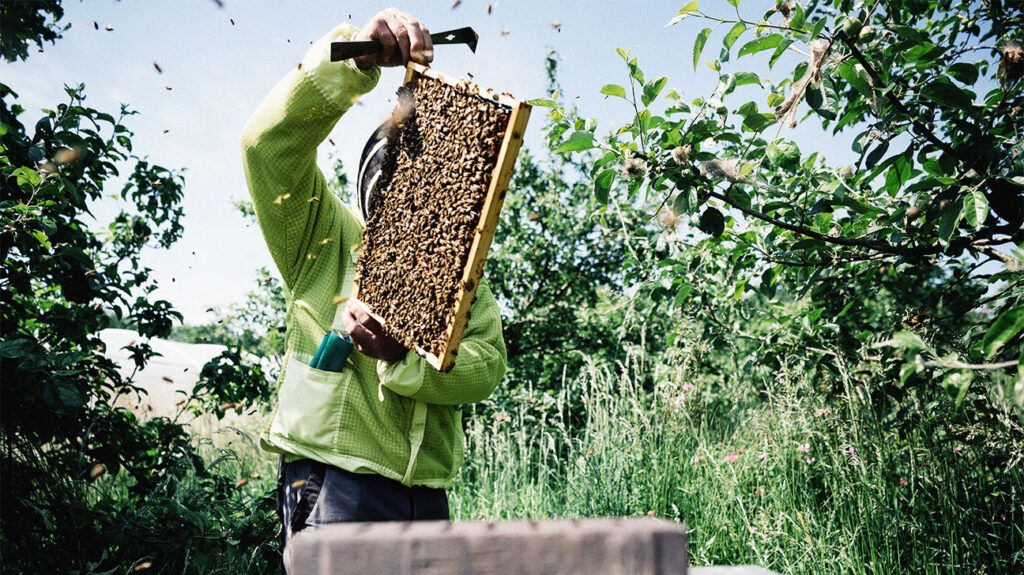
<point>403,36</point>
<point>369,337</point>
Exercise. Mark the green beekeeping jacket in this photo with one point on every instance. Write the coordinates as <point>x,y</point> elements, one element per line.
<point>400,420</point>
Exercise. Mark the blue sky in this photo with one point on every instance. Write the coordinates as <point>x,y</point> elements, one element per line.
<point>218,73</point>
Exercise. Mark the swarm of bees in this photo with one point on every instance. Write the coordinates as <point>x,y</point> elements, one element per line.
<point>430,196</point>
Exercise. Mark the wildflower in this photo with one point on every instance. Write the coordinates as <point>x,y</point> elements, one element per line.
<point>668,218</point>
<point>804,448</point>
<point>958,449</point>
<point>852,452</point>
<point>762,455</point>
<point>688,387</point>
<point>634,168</point>
<point>903,482</point>
<point>752,529</point>
<point>678,401</point>
<point>822,412</point>
<point>681,154</point>
<point>732,457</point>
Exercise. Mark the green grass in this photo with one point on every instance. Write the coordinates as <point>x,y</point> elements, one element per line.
<point>782,480</point>
<point>775,476</point>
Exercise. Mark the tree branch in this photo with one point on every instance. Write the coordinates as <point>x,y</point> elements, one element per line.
<point>899,105</point>
<point>878,246</point>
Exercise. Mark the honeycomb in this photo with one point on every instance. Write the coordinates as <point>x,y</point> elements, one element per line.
<point>437,168</point>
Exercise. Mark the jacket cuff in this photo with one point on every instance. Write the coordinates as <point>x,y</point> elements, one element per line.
<point>340,82</point>
<point>402,377</point>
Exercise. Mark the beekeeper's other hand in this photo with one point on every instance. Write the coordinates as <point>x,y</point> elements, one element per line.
<point>403,36</point>
<point>369,337</point>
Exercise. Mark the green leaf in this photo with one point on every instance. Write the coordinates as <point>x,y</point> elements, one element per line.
<point>975,209</point>
<point>685,202</point>
<point>946,93</point>
<point>964,73</point>
<point>779,51</point>
<point>905,340</point>
<point>41,237</point>
<point>577,142</point>
<point>698,45</point>
<point>15,348</point>
<point>950,222</point>
<point>760,44</point>
<point>685,11</point>
<point>1002,330</point>
<point>733,34</point>
<point>543,102</point>
<point>27,176</point>
<point>876,154</point>
<point>712,222</point>
<point>682,294</point>
<point>783,153</point>
<point>744,78</point>
<point>856,77</point>
<point>613,90</point>
<point>652,89</point>
<point>603,185</point>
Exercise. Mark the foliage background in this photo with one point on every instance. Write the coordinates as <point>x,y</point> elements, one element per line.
<point>815,367</point>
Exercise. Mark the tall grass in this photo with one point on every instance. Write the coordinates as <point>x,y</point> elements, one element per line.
<point>782,479</point>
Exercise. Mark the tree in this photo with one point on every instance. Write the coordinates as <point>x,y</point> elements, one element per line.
<point>895,253</point>
<point>87,486</point>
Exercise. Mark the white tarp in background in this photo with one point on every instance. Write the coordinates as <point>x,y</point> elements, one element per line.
<point>176,369</point>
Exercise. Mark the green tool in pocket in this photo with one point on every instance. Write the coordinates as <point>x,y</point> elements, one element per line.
<point>332,353</point>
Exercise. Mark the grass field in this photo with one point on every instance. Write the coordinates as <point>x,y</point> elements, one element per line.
<point>774,477</point>
<point>783,481</point>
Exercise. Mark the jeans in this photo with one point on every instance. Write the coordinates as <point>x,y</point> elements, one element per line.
<point>310,493</point>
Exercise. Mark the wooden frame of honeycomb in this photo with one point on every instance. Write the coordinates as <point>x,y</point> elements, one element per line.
<point>465,292</point>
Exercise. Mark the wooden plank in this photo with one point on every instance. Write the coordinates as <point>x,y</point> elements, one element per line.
<point>604,546</point>
<point>493,201</point>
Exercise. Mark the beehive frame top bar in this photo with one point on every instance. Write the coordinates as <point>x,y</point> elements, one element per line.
<point>485,228</point>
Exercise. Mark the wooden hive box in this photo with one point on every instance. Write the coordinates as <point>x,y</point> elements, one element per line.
<point>417,196</point>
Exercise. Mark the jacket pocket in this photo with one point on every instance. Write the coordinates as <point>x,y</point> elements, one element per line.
<point>310,404</point>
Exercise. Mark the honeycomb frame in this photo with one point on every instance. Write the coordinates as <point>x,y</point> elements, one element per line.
<point>488,218</point>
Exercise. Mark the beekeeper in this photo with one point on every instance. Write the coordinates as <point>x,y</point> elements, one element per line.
<point>378,437</point>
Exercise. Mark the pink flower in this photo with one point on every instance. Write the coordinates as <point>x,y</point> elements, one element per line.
<point>762,455</point>
<point>732,457</point>
<point>804,448</point>
<point>851,451</point>
<point>903,482</point>
<point>688,387</point>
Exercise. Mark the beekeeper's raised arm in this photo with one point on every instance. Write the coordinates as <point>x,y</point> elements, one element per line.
<point>279,141</point>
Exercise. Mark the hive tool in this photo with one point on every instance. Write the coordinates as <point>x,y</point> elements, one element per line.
<point>346,50</point>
